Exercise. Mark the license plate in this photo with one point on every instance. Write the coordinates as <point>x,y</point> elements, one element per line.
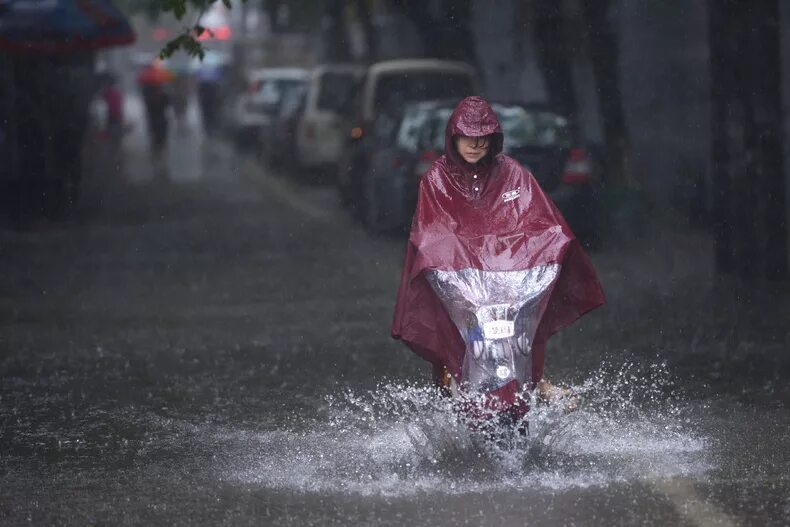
<point>499,329</point>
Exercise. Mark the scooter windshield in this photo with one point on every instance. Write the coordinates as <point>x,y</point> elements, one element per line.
<point>497,314</point>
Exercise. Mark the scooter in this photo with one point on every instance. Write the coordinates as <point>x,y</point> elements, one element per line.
<point>497,314</point>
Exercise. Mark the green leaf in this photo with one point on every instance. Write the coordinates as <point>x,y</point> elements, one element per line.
<point>188,40</point>
<point>185,41</point>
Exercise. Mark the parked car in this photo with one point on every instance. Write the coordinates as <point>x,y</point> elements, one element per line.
<point>255,108</point>
<point>320,134</point>
<point>277,141</point>
<point>390,184</point>
<point>564,165</point>
<point>384,93</point>
<point>537,137</point>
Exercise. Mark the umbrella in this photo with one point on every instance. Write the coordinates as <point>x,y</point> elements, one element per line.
<point>61,26</point>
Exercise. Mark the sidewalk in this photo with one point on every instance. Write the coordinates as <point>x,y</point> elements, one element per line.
<point>189,158</point>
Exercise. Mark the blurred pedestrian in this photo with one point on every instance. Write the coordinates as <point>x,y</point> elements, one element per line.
<point>209,101</point>
<point>114,125</point>
<point>180,66</point>
<point>154,82</point>
<point>211,78</point>
<point>181,101</point>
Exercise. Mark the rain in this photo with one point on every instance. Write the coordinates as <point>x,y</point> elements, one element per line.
<point>215,216</point>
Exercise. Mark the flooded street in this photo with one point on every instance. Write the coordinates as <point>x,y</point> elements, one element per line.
<point>213,348</point>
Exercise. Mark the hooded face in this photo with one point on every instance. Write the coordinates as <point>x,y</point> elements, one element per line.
<point>472,149</point>
<point>473,133</point>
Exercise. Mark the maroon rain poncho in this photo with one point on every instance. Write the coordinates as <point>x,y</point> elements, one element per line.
<point>488,217</point>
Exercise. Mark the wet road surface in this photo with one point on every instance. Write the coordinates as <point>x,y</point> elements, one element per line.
<point>213,348</point>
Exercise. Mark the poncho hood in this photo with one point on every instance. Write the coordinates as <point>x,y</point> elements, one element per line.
<point>473,117</point>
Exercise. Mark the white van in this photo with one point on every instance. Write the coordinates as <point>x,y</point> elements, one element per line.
<point>389,86</point>
<point>320,134</point>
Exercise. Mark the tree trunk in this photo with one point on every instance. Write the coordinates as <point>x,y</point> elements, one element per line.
<point>459,40</point>
<point>363,13</point>
<point>448,36</point>
<point>9,149</point>
<point>425,25</point>
<point>604,55</point>
<point>336,48</point>
<point>555,55</point>
<point>723,82</point>
<point>271,7</point>
<point>750,229</point>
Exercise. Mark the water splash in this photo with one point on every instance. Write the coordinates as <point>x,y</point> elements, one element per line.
<point>401,439</point>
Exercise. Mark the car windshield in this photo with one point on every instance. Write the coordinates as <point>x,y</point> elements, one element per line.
<point>335,90</point>
<point>521,128</point>
<point>410,127</point>
<point>271,92</point>
<point>532,128</point>
<point>433,137</point>
<point>385,129</point>
<point>292,101</point>
<point>395,90</point>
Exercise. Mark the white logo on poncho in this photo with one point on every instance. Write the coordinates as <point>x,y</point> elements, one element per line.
<point>511,195</point>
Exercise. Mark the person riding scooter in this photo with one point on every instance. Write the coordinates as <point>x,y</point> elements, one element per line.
<point>491,271</point>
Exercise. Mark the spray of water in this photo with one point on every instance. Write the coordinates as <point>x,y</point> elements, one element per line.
<point>398,439</point>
